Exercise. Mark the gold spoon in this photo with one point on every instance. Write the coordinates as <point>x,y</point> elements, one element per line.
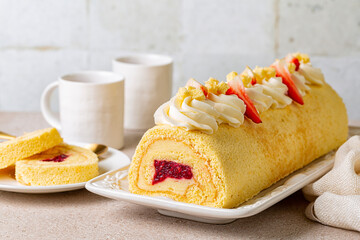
<point>6,136</point>
<point>98,149</point>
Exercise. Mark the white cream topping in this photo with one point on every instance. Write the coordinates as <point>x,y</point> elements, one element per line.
<point>277,90</point>
<point>261,101</point>
<point>192,114</point>
<point>205,115</point>
<point>311,74</point>
<point>299,81</point>
<point>202,115</point>
<point>231,109</point>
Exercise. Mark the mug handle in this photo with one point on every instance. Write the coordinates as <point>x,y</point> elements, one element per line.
<point>49,115</point>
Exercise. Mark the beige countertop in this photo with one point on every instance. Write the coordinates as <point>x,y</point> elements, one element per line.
<point>82,215</point>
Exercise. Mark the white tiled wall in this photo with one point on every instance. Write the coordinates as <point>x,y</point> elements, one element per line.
<point>42,39</point>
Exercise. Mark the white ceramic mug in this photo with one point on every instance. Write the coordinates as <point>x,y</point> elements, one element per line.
<point>148,85</point>
<point>91,105</point>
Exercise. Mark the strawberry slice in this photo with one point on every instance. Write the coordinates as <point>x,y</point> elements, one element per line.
<point>283,72</point>
<point>193,83</point>
<point>236,87</point>
<point>294,60</point>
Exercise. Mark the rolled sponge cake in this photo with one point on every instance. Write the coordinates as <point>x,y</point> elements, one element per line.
<point>28,145</point>
<point>62,164</point>
<point>234,164</point>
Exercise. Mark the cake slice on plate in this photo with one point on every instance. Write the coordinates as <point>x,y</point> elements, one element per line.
<point>62,164</point>
<point>28,145</point>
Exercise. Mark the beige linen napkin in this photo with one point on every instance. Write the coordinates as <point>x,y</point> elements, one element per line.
<point>337,194</point>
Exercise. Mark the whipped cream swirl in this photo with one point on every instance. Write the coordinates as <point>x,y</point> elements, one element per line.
<point>277,90</point>
<point>261,101</point>
<point>191,110</point>
<point>231,109</point>
<point>191,114</point>
<point>299,81</point>
<point>202,115</point>
<point>312,75</point>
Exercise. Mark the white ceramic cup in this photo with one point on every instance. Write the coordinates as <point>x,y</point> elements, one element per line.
<point>91,105</point>
<point>147,86</point>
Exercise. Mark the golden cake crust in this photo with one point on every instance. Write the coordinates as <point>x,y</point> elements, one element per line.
<point>243,161</point>
<point>28,145</point>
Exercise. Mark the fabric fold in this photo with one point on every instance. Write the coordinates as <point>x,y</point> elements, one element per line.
<point>336,195</point>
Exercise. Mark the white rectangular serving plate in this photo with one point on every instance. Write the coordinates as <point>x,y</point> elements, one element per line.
<point>260,202</point>
<point>257,204</point>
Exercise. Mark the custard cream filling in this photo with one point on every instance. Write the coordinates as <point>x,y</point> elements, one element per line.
<point>179,152</point>
<point>76,155</point>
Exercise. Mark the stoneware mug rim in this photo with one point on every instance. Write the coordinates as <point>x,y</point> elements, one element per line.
<point>143,60</point>
<point>82,78</point>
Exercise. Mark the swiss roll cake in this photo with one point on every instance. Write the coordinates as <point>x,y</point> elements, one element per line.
<point>62,164</point>
<point>220,143</point>
<point>28,145</point>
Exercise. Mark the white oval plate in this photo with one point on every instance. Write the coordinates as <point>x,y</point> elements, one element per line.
<point>111,160</point>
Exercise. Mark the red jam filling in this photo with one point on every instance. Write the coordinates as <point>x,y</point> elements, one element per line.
<point>165,169</point>
<point>59,158</point>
